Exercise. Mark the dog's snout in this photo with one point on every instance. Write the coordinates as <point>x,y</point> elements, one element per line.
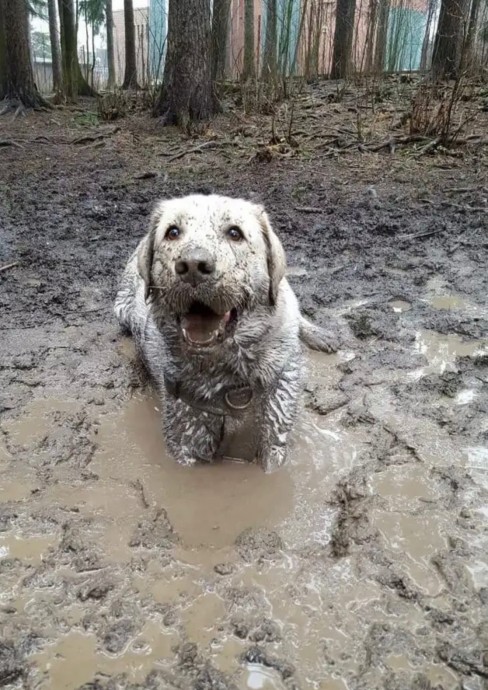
<point>195,266</point>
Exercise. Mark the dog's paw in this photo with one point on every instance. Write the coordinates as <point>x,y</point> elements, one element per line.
<point>317,338</point>
<point>274,459</point>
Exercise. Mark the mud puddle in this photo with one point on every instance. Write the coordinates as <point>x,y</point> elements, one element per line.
<point>442,351</point>
<point>210,505</point>
<point>236,555</point>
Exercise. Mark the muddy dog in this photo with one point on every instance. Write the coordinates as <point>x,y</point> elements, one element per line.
<point>219,328</point>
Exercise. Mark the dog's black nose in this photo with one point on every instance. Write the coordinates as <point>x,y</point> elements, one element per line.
<point>195,266</point>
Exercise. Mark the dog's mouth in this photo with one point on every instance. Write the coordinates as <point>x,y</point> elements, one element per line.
<point>202,327</point>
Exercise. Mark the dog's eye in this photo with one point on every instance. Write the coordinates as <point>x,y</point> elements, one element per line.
<point>172,233</point>
<point>235,234</point>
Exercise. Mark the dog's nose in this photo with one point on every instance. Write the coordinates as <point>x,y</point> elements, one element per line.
<point>195,266</point>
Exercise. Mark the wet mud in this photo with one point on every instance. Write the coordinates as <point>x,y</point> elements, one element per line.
<point>360,565</point>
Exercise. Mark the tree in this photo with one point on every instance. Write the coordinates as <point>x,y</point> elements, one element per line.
<point>248,71</point>
<point>448,39</point>
<point>343,35</point>
<point>109,17</point>
<point>220,22</point>
<point>424,56</point>
<point>130,75</point>
<point>74,83</point>
<point>94,11</point>
<point>187,91</point>
<point>472,26</point>
<point>381,36</point>
<point>3,53</point>
<point>18,80</point>
<point>55,48</point>
<point>270,42</point>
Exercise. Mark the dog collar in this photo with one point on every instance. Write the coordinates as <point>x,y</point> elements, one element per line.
<point>231,401</point>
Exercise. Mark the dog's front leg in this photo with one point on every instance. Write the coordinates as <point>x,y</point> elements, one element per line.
<point>279,412</point>
<point>192,435</point>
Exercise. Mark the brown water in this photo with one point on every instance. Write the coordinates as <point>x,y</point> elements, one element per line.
<point>209,506</point>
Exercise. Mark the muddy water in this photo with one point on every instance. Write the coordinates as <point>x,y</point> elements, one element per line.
<point>315,609</point>
<point>441,351</point>
<point>132,454</point>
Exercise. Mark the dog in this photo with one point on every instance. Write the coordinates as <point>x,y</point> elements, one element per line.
<point>219,328</point>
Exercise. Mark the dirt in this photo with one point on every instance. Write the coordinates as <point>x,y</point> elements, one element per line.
<point>362,564</point>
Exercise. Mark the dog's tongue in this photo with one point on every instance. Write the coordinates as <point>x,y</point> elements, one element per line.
<point>203,328</point>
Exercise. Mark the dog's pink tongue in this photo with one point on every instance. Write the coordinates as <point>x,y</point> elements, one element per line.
<point>201,329</point>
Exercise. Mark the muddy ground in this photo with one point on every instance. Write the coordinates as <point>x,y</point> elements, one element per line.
<point>361,565</point>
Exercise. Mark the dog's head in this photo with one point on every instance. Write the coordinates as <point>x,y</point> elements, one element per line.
<point>206,259</point>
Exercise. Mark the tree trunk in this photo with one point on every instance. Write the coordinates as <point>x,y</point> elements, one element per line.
<point>3,53</point>
<point>19,79</point>
<point>187,90</point>
<point>55,49</point>
<point>473,22</point>
<point>268,71</point>
<point>130,76</point>
<point>343,35</point>
<point>94,60</point>
<point>370,34</point>
<point>381,36</point>
<point>110,43</point>
<point>220,24</point>
<point>249,70</point>
<point>450,29</point>
<point>426,42</point>
<point>74,82</point>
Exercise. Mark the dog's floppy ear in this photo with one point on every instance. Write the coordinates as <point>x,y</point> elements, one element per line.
<point>275,255</point>
<point>146,253</point>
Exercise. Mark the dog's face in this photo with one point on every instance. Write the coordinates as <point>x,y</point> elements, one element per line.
<point>206,260</point>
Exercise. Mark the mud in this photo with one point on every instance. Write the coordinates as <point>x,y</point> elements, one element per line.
<point>362,564</point>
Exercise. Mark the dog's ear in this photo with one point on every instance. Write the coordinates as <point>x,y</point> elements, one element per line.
<point>146,253</point>
<point>275,255</point>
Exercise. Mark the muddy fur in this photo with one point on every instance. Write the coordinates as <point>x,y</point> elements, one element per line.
<point>262,351</point>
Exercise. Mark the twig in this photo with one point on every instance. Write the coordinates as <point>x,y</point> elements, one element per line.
<point>139,487</point>
<point>11,142</point>
<point>196,149</point>
<point>427,233</point>
<point>7,266</point>
<point>461,190</point>
<point>428,147</point>
<point>309,209</point>
<point>94,137</point>
<point>465,207</point>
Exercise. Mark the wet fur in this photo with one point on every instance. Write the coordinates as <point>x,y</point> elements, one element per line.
<point>264,352</point>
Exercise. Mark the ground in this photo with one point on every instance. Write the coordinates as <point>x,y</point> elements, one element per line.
<point>363,563</point>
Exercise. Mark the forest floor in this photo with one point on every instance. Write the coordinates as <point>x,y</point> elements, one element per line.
<point>363,563</point>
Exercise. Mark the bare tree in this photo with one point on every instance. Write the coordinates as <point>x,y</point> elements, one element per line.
<point>343,35</point>
<point>130,76</point>
<point>74,83</point>
<point>109,16</point>
<point>270,43</point>
<point>370,34</point>
<point>471,32</point>
<point>381,36</point>
<point>18,80</point>
<point>187,91</point>
<point>55,48</point>
<point>449,37</point>
<point>424,57</point>
<point>249,70</point>
<point>220,23</point>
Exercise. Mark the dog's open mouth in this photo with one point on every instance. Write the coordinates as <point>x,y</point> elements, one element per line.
<point>202,327</point>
